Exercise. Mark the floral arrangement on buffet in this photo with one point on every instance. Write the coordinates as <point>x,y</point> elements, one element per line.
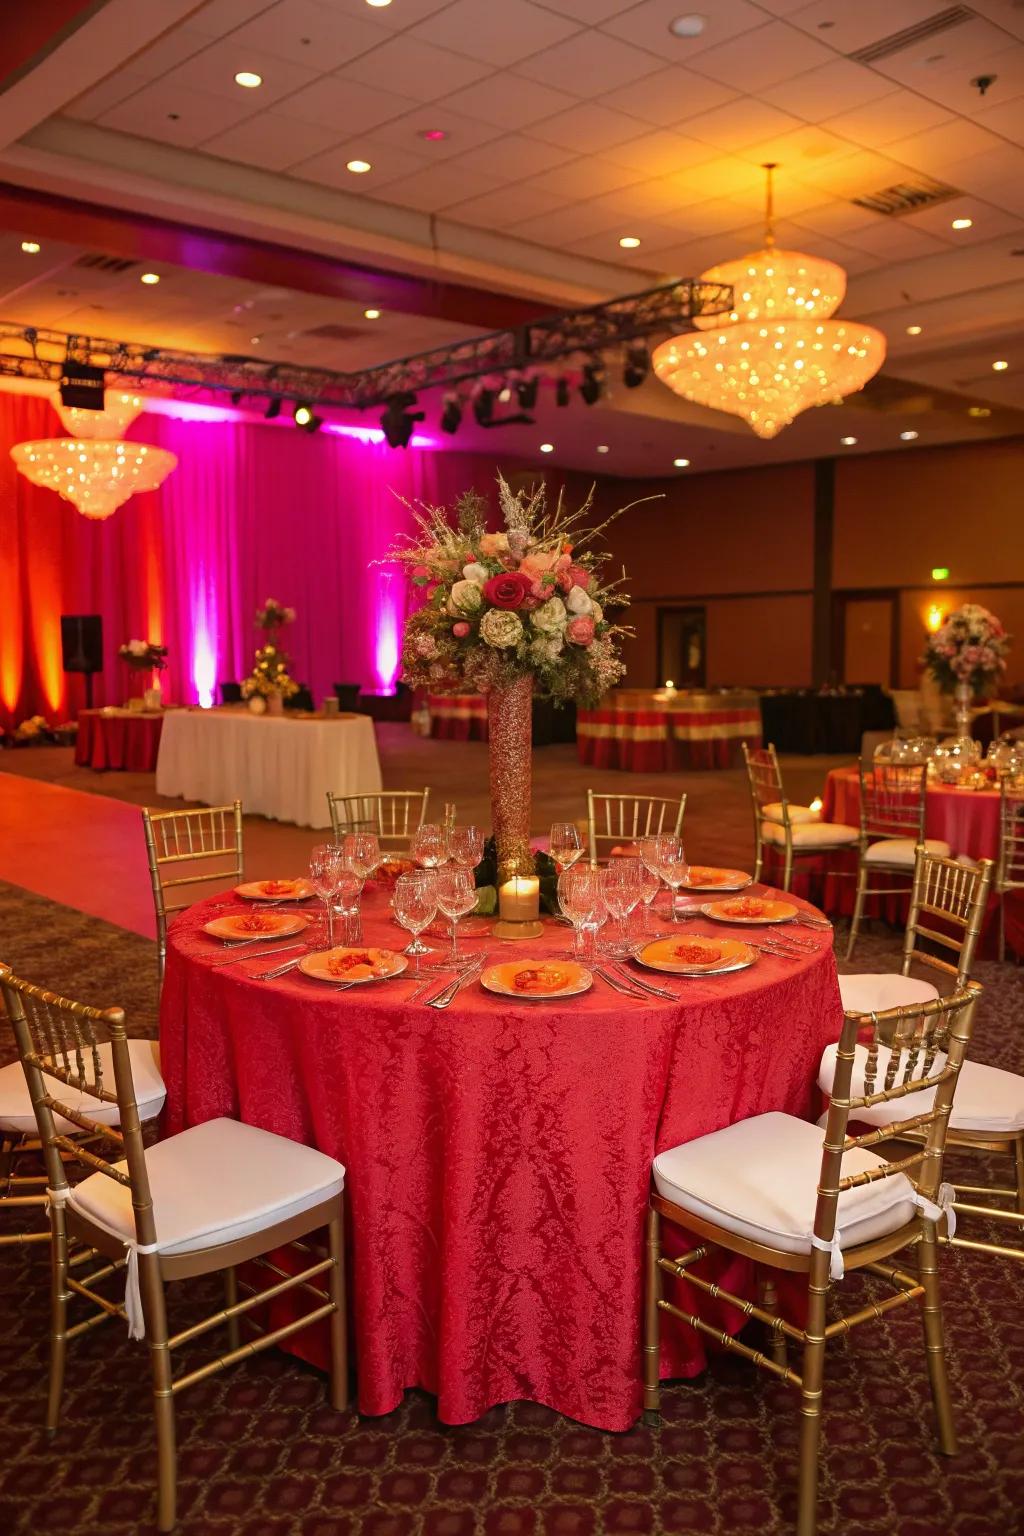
<point>143,655</point>
<point>270,683</point>
<point>274,616</point>
<point>525,602</point>
<point>967,651</point>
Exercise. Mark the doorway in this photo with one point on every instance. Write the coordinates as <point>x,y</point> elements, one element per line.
<point>682,646</point>
<point>866,637</point>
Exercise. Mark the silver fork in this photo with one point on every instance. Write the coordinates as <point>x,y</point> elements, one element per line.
<point>644,984</point>
<point>624,990</point>
<point>455,986</point>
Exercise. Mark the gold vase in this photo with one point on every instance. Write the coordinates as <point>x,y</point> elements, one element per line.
<point>510,746</point>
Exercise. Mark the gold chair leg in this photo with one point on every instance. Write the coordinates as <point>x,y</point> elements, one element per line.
<point>652,1319</point>
<point>858,907</point>
<point>1018,1163</point>
<point>59,1297</point>
<point>155,1310</point>
<point>787,877</point>
<point>758,861</point>
<point>768,1298</point>
<point>812,1377</point>
<point>1002,926</point>
<point>230,1300</point>
<point>934,1339</point>
<point>339,1322</point>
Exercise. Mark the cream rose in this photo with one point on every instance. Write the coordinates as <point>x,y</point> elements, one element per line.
<point>578,602</point>
<point>546,648</point>
<point>550,617</point>
<point>493,544</point>
<point>475,572</point>
<point>465,597</point>
<point>501,628</point>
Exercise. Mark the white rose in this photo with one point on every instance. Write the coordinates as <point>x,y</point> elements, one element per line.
<point>465,597</point>
<point>596,611</point>
<point>549,618</point>
<point>500,628</point>
<point>475,572</point>
<point>578,602</point>
<point>547,648</point>
<point>137,647</point>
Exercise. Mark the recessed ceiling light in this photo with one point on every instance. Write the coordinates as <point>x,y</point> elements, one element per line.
<point>979,410</point>
<point>149,278</point>
<point>629,242</point>
<point>913,330</point>
<point>688,26</point>
<point>681,463</point>
<point>962,223</point>
<point>254,341</point>
<point>547,447</point>
<point>908,437</point>
<point>358,167</point>
<point>249,79</point>
<point>378,4</point>
<point>433,135</point>
<point>371,314</point>
<point>30,247</point>
<point>1000,366</point>
<point>602,448</point>
<point>847,442</point>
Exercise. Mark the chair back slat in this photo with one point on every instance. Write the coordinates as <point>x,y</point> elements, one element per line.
<point>957,895</point>
<point>614,819</point>
<point>393,814</point>
<point>764,777</point>
<point>1010,862</point>
<point>892,799</point>
<point>206,842</point>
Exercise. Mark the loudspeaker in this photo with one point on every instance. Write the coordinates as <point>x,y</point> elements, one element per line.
<point>81,642</point>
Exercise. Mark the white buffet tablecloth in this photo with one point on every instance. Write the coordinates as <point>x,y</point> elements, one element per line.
<point>278,767</point>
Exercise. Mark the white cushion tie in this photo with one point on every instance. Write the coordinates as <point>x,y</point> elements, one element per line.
<point>132,1293</point>
<point>941,1206</point>
<point>837,1264</point>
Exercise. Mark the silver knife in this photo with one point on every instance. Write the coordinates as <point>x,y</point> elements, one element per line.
<point>264,954</point>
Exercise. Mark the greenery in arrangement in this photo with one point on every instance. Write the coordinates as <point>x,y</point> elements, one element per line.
<point>529,601</point>
<point>269,673</point>
<point>968,649</point>
<point>486,876</point>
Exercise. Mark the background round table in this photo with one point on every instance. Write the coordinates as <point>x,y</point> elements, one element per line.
<point>498,1153</point>
<point>127,739</point>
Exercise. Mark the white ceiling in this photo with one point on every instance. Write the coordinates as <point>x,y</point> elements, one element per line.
<point>569,123</point>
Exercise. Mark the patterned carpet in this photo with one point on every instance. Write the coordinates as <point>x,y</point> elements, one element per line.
<point>262,1455</point>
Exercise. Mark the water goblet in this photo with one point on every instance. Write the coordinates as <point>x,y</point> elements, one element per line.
<point>466,846</point>
<point>564,843</point>
<point>622,890</point>
<point>675,871</point>
<point>362,853</point>
<point>650,885</point>
<point>429,846</point>
<point>325,863</point>
<point>456,895</point>
<point>415,906</point>
<point>581,900</point>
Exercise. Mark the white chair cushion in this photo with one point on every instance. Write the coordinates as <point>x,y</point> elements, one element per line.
<point>18,1117</point>
<point>903,851</point>
<point>874,991</point>
<point>215,1183</point>
<point>810,834</point>
<point>773,811</point>
<point>759,1179</point>
<point>986,1098</point>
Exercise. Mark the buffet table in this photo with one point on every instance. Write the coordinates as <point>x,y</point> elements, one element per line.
<point>126,739</point>
<point>655,732</point>
<point>498,1153</point>
<point>278,766</point>
<point>808,723</point>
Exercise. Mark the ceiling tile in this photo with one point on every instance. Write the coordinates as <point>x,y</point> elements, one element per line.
<point>1009,17</point>
<point>509,100</point>
<point>970,47</point>
<point>895,240</point>
<point>391,19</point>
<point>989,222</point>
<point>660,153</point>
<point>837,219</point>
<point>388,162</point>
<point>219,16</point>
<point>589,64</point>
<point>655,199</point>
<point>271,141</point>
<point>103,96</point>
<point>588,12</point>
<point>496,34</point>
<point>669,96</point>
<point>563,225</point>
<point>933,150</point>
<point>438,186</point>
<point>792,152</point>
<point>827,90</point>
<point>507,206</point>
<point>214,69</point>
<point>414,68</point>
<point>721,176</point>
<point>1006,119</point>
<point>855,175</point>
<point>953,87</point>
<point>742,122</point>
<point>851,27</point>
<point>897,116</point>
<point>175,116</point>
<point>584,177</point>
<point>168,50</point>
<point>710,218</point>
<point>762,57</point>
<point>647,25</point>
<point>347,105</point>
<point>588,128</point>
<point>463,132</point>
<point>308,32</point>
<point>513,157</point>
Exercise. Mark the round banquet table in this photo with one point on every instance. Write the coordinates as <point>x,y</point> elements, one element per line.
<point>658,733</point>
<point>119,738</point>
<point>498,1153</point>
<point>458,716</point>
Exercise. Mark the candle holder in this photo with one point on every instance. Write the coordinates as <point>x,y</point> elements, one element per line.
<point>519,909</point>
<point>516,928</point>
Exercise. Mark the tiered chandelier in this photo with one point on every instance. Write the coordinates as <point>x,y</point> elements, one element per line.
<point>96,470</point>
<point>778,351</point>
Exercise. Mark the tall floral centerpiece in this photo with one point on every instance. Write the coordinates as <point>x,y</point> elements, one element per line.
<point>508,614</point>
<point>967,657</point>
<point>145,656</point>
<point>269,683</point>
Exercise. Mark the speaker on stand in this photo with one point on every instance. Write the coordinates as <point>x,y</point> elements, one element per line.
<point>81,644</point>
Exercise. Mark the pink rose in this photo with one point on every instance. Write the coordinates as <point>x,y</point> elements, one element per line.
<point>564,580</point>
<point>460,630</point>
<point>580,631</point>
<point>563,562</point>
<point>510,591</point>
<point>580,575</point>
<point>420,570</point>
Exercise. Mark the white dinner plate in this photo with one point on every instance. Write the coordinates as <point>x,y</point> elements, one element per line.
<point>270,890</point>
<point>500,979</point>
<point>327,964</point>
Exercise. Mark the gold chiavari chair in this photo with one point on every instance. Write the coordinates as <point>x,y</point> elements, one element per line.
<point>795,831</point>
<point>1010,863</point>
<point>204,1201</point>
<point>623,819</point>
<point>768,1189</point>
<point>892,809</point>
<point>189,841</point>
<point>393,815</point>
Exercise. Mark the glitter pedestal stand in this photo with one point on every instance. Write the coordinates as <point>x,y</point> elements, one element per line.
<point>963,695</point>
<point>510,746</point>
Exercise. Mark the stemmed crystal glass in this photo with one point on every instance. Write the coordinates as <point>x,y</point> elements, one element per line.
<point>581,898</point>
<point>429,846</point>
<point>564,843</point>
<point>650,857</point>
<point>466,846</point>
<point>415,905</point>
<point>622,890</point>
<point>347,894</point>
<point>325,863</point>
<point>674,870</point>
<point>650,885</point>
<point>456,895</point>
<point>362,852</point>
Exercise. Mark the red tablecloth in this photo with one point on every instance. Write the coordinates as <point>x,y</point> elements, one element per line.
<point>658,739</point>
<point>498,1156</point>
<point>458,716</point>
<point>121,739</point>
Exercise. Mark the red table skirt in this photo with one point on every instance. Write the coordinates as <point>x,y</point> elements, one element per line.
<point>661,740</point>
<point>458,716</point>
<point>123,741</point>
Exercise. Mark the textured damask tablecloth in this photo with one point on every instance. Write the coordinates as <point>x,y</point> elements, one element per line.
<point>498,1154</point>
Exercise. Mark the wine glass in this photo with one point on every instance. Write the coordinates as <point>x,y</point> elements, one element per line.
<point>674,870</point>
<point>622,890</point>
<point>347,894</point>
<point>415,904</point>
<point>324,872</point>
<point>564,843</point>
<point>429,846</point>
<point>650,848</point>
<point>581,899</point>
<point>362,849</point>
<point>650,885</point>
<point>466,846</point>
<point>456,895</point>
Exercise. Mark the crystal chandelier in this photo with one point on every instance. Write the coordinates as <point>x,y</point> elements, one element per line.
<point>778,351</point>
<point>95,470</point>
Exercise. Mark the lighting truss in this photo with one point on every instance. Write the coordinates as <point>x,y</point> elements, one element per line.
<point>30,352</point>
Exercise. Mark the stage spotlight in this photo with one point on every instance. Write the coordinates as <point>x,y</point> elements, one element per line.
<point>562,392</point>
<point>483,407</point>
<point>302,415</point>
<point>526,393</point>
<point>592,387</point>
<point>451,416</point>
<point>236,397</point>
<point>273,409</point>
<point>636,367</point>
<point>398,421</point>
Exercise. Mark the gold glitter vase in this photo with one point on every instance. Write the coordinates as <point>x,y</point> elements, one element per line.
<point>510,739</point>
